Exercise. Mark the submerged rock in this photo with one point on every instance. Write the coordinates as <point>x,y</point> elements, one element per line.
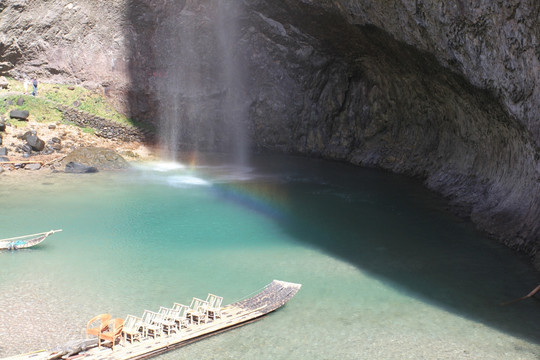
<point>100,158</point>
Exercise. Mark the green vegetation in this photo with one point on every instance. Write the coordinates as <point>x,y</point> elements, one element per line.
<point>42,108</point>
<point>88,130</point>
<point>39,109</point>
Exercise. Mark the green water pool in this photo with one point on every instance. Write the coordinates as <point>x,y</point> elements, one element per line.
<point>387,271</point>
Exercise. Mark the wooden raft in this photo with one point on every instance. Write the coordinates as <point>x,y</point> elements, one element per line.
<point>271,298</point>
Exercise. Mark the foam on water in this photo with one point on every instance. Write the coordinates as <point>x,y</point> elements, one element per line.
<point>387,273</point>
<point>161,166</point>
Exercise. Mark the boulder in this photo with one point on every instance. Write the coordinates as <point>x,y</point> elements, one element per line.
<point>4,158</point>
<point>3,151</point>
<point>2,126</point>
<point>101,158</point>
<point>35,143</point>
<point>34,166</point>
<point>20,101</point>
<point>78,168</point>
<point>19,114</point>
<point>26,134</point>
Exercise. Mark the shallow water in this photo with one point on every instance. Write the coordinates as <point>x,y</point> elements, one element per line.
<point>387,272</point>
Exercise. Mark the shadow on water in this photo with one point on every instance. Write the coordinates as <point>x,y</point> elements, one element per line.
<point>392,227</point>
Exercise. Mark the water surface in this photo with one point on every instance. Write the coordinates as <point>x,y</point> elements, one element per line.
<point>387,271</point>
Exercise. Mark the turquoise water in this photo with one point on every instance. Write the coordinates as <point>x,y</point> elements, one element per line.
<point>387,271</point>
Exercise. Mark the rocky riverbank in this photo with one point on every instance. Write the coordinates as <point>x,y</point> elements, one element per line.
<point>59,141</point>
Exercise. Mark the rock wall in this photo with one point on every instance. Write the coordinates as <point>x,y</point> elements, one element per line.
<point>494,44</point>
<point>373,100</point>
<point>445,91</point>
<point>82,42</point>
<point>104,128</point>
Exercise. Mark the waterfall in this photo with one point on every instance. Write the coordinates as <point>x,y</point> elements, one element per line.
<point>234,106</point>
<point>199,79</point>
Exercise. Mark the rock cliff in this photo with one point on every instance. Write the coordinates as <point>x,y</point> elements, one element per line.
<point>445,91</point>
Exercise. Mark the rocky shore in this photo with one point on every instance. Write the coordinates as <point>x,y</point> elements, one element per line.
<point>56,144</point>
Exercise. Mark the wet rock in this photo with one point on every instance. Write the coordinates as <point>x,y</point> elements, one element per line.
<point>78,168</point>
<point>19,114</point>
<point>101,158</point>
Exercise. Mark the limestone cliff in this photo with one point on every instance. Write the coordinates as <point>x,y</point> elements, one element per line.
<point>80,42</point>
<point>446,91</point>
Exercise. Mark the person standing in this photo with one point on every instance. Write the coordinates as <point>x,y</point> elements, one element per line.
<point>26,86</point>
<point>34,85</point>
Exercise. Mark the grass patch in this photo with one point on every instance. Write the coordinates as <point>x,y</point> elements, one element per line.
<point>40,110</point>
<point>17,123</point>
<point>88,130</point>
<point>43,107</point>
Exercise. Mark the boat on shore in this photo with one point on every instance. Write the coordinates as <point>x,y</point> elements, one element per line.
<point>142,338</point>
<point>25,241</point>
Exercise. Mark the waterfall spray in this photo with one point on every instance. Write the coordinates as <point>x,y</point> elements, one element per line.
<point>199,80</point>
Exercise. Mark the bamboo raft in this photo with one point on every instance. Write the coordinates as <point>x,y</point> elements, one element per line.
<point>240,313</point>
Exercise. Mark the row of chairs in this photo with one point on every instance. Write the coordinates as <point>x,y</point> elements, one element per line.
<point>154,324</point>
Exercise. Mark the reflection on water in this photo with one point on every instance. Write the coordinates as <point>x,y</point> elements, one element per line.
<point>387,272</point>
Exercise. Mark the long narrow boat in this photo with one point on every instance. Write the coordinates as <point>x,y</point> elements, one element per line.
<point>240,313</point>
<point>25,241</point>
